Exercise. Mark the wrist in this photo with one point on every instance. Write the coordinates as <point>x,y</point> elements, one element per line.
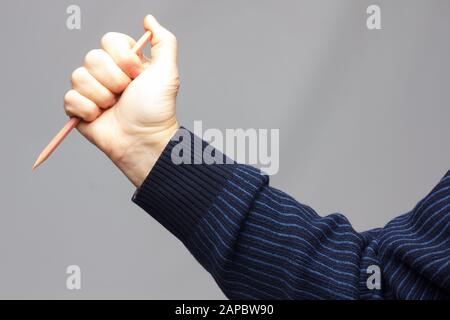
<point>142,152</point>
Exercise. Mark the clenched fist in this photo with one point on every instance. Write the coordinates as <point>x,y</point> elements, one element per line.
<point>127,101</point>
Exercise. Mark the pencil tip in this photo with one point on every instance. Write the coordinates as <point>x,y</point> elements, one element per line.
<point>37,163</point>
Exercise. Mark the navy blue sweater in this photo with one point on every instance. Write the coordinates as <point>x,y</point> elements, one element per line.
<point>259,243</point>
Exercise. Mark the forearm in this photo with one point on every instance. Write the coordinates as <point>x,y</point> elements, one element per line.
<point>228,218</point>
<point>258,242</point>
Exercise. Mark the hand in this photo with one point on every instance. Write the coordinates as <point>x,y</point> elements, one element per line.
<point>127,101</point>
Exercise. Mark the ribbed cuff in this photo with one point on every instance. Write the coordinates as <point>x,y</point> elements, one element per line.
<point>179,195</point>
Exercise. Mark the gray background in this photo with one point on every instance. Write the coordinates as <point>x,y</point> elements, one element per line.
<point>363,118</point>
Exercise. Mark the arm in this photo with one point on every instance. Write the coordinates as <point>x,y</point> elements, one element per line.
<point>256,241</point>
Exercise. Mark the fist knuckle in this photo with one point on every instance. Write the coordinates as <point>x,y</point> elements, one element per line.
<point>92,57</point>
<point>107,37</point>
<point>77,75</point>
<point>68,98</point>
<point>68,110</point>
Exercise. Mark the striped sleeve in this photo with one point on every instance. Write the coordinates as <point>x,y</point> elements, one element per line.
<point>259,243</point>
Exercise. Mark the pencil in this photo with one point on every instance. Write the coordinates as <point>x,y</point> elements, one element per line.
<point>73,122</point>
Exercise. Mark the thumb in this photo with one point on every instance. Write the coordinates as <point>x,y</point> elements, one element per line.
<point>163,42</point>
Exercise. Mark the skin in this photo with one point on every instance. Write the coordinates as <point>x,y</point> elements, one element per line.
<point>127,101</point>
